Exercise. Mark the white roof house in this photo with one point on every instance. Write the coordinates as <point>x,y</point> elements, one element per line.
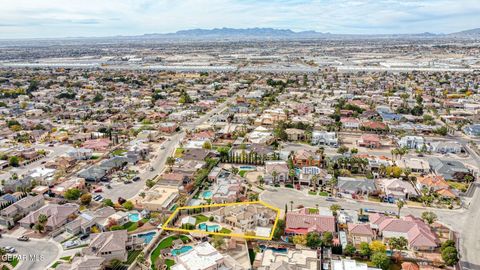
<point>201,257</point>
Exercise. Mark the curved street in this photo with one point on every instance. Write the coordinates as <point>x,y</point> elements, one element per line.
<point>33,255</point>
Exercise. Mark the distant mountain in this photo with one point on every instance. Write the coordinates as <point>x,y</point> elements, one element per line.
<point>238,33</point>
<point>471,33</point>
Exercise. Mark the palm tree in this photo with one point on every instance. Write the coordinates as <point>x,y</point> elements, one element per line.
<point>291,205</point>
<point>400,204</point>
<point>170,162</point>
<point>274,176</point>
<point>42,219</point>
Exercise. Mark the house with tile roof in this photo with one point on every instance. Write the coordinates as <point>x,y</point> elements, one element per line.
<point>12,213</point>
<point>58,215</point>
<point>112,245</point>
<point>359,233</point>
<point>302,222</point>
<point>418,234</point>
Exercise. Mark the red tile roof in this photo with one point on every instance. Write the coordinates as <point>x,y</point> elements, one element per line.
<point>300,222</point>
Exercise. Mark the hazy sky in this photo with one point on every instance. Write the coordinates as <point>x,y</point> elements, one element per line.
<point>69,18</point>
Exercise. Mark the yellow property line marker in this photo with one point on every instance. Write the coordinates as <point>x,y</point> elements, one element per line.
<point>166,228</point>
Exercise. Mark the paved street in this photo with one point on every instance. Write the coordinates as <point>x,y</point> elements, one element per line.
<point>128,191</point>
<point>39,254</point>
<point>278,197</point>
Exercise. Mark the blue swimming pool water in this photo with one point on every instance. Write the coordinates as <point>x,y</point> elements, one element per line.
<point>134,217</point>
<point>209,228</point>
<point>247,168</point>
<point>278,250</point>
<point>147,237</point>
<point>181,250</point>
<point>207,194</point>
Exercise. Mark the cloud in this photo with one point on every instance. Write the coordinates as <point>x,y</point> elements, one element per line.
<point>60,18</point>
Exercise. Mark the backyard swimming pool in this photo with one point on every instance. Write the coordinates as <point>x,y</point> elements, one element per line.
<point>209,228</point>
<point>134,217</point>
<point>181,250</point>
<point>147,237</point>
<point>278,250</point>
<point>247,168</point>
<point>207,194</point>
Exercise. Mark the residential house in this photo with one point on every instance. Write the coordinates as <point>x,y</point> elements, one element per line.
<point>203,257</point>
<point>112,245</point>
<point>413,142</point>
<point>301,221</point>
<point>359,233</point>
<point>87,262</point>
<point>305,157</point>
<point>446,147</point>
<point>398,189</point>
<point>58,215</point>
<point>448,168</point>
<point>276,172</point>
<point>14,212</point>
<point>369,141</point>
<point>294,134</point>
<point>351,185</point>
<point>350,123</point>
<point>418,234</point>
<point>324,138</point>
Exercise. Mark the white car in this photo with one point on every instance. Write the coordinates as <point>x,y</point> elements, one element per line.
<point>10,249</point>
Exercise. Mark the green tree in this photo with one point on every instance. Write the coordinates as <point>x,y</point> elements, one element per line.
<point>335,208</point>
<point>128,205</point>
<point>450,256</point>
<point>108,202</point>
<point>207,145</point>
<point>377,246</point>
<point>72,194</point>
<point>150,183</point>
<point>313,240</point>
<point>349,250</point>
<point>86,198</point>
<point>398,243</point>
<point>14,161</point>
<point>381,260</point>
<point>400,205</point>
<point>429,217</point>
<point>327,239</point>
<point>342,149</point>
<point>364,249</point>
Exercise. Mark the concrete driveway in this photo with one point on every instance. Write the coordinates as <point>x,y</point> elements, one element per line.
<point>34,254</point>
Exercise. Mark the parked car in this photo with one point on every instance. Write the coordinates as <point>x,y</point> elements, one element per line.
<point>127,182</point>
<point>70,244</point>
<point>162,147</point>
<point>84,236</point>
<point>136,178</point>
<point>23,238</point>
<point>330,199</point>
<point>97,190</point>
<point>10,249</point>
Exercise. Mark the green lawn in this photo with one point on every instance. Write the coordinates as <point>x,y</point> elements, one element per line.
<point>458,186</point>
<point>312,193</point>
<point>169,263</point>
<point>119,152</point>
<point>225,230</point>
<point>14,262</point>
<point>66,258</point>
<point>323,193</point>
<point>242,173</point>
<point>312,211</point>
<point>200,219</point>
<point>57,263</point>
<point>132,255</point>
<point>179,152</point>
<point>166,243</point>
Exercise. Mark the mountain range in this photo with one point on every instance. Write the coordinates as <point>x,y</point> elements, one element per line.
<point>266,33</point>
